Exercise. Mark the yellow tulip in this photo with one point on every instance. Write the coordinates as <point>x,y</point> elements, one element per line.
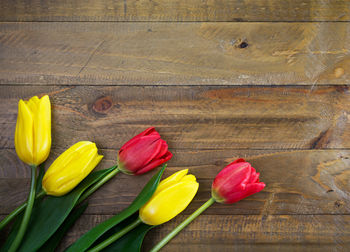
<point>70,168</point>
<point>33,130</point>
<point>171,197</point>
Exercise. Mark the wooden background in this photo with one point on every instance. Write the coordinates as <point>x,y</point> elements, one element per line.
<point>266,80</point>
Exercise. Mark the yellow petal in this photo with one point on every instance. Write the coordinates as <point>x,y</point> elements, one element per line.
<point>189,177</point>
<point>62,163</point>
<point>70,168</point>
<point>33,104</point>
<point>24,133</point>
<point>42,130</point>
<point>168,203</point>
<point>176,177</point>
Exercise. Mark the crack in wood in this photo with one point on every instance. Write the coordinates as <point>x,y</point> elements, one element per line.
<point>90,57</point>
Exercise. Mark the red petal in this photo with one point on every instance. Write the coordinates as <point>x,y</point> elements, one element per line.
<point>254,176</point>
<point>239,160</point>
<point>250,189</point>
<point>232,178</point>
<point>147,132</point>
<point>163,149</point>
<point>168,155</point>
<point>141,152</point>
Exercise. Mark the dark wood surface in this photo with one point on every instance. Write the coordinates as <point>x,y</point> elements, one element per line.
<point>175,10</point>
<point>174,53</point>
<point>264,80</point>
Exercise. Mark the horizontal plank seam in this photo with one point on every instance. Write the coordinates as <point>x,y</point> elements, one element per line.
<point>171,21</point>
<point>175,85</point>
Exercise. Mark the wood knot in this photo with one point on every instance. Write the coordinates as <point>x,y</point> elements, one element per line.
<point>102,105</point>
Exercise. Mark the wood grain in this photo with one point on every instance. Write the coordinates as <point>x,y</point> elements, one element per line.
<point>298,182</point>
<point>191,117</point>
<point>174,53</point>
<point>243,233</point>
<point>176,10</point>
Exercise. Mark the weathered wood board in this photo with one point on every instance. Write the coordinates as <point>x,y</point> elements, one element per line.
<point>175,10</point>
<point>222,53</point>
<point>191,118</point>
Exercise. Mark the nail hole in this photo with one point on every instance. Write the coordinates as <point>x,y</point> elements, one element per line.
<point>243,45</point>
<point>337,203</point>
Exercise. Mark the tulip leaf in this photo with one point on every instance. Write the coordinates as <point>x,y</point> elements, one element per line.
<point>12,233</point>
<point>15,228</point>
<point>55,239</point>
<point>84,242</point>
<point>130,242</point>
<point>50,213</point>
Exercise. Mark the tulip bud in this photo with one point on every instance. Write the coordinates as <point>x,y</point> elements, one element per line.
<point>172,196</point>
<point>143,152</point>
<point>235,182</point>
<point>70,168</point>
<point>33,130</point>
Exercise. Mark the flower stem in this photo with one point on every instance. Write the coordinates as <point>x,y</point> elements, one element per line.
<point>17,211</point>
<point>27,213</point>
<point>176,230</point>
<point>116,236</point>
<point>96,186</point>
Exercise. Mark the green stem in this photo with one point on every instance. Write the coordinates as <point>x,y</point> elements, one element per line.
<point>176,230</point>
<point>96,186</point>
<point>27,213</point>
<point>116,236</point>
<point>18,210</point>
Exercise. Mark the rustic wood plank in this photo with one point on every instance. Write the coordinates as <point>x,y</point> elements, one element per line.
<point>243,233</point>
<point>178,10</point>
<point>298,182</point>
<point>174,53</point>
<point>191,117</point>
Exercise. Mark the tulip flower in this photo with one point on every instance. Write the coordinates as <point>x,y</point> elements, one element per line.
<point>235,182</point>
<point>172,196</point>
<point>32,143</point>
<point>33,130</point>
<point>70,168</point>
<point>143,153</point>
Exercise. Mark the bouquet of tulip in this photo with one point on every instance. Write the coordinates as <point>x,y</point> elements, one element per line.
<point>68,182</point>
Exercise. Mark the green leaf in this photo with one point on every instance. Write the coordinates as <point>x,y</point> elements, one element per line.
<point>91,236</point>
<point>55,239</point>
<point>16,225</point>
<point>12,233</point>
<point>130,242</point>
<point>49,214</point>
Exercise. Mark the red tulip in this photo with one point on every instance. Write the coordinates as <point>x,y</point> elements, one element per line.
<point>143,152</point>
<point>235,182</point>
